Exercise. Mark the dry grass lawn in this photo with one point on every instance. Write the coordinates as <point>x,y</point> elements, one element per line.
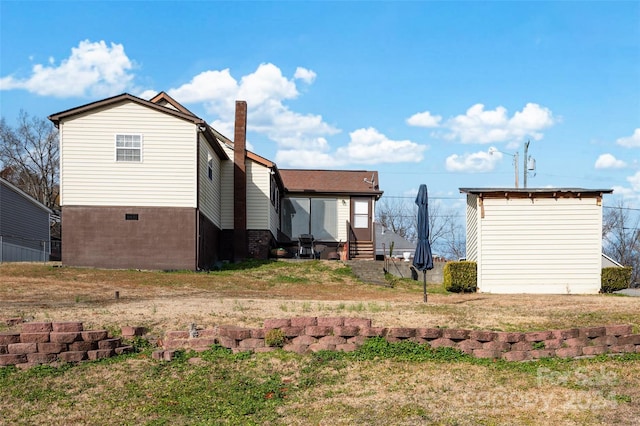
<point>371,392</point>
<point>171,301</point>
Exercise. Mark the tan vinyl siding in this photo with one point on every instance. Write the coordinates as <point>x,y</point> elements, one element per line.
<point>540,246</point>
<point>274,220</point>
<point>344,213</point>
<point>472,228</point>
<point>258,196</point>
<point>209,188</point>
<point>166,176</point>
<point>226,175</point>
<point>167,105</point>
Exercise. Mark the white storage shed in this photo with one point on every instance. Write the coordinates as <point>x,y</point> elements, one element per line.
<point>535,240</point>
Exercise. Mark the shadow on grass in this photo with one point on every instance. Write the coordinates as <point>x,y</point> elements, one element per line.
<point>251,264</point>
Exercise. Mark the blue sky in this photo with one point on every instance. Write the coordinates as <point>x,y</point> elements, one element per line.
<point>420,91</point>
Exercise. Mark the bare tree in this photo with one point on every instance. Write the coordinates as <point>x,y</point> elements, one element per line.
<point>621,237</point>
<point>397,215</point>
<point>446,232</point>
<point>455,241</point>
<point>30,157</point>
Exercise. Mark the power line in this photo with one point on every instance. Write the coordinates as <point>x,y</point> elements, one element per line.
<point>413,197</point>
<point>431,215</point>
<point>621,208</point>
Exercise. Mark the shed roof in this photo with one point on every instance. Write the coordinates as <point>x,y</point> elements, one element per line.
<point>353,182</point>
<point>501,192</point>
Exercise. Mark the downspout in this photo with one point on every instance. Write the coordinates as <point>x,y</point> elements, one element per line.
<point>197,197</point>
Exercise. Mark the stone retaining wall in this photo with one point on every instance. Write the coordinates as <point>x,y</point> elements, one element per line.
<point>310,334</point>
<point>51,342</point>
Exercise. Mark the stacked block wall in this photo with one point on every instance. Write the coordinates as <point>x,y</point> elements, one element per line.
<point>310,334</point>
<point>49,342</point>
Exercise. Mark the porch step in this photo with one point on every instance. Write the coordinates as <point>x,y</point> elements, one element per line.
<point>368,271</point>
<point>362,250</point>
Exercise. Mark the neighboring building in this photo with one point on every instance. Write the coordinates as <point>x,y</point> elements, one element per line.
<point>386,237</point>
<point>24,226</point>
<point>335,206</point>
<point>535,240</point>
<point>149,185</point>
<point>608,262</point>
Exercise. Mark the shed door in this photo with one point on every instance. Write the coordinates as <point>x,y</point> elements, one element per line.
<point>361,218</point>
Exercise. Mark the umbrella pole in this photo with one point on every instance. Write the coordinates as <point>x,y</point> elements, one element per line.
<point>424,285</point>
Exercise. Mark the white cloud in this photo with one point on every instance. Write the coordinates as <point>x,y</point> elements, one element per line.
<point>424,119</point>
<point>97,69</point>
<point>622,192</point>
<point>482,161</point>
<point>632,141</point>
<point>301,138</point>
<point>608,161</point>
<point>367,146</point>
<point>290,129</point>
<point>147,94</point>
<point>93,69</point>
<point>266,84</point>
<point>302,158</point>
<point>635,181</point>
<point>305,75</point>
<point>478,125</point>
<point>265,91</point>
<point>210,87</point>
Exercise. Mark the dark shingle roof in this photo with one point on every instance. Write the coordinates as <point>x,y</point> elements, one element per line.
<point>331,181</point>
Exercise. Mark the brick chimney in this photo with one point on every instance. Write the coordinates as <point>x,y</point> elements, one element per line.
<point>240,182</point>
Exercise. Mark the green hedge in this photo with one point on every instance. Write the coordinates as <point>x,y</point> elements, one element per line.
<point>461,277</point>
<point>614,279</point>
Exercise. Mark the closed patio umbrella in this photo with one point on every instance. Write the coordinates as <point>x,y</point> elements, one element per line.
<point>423,259</point>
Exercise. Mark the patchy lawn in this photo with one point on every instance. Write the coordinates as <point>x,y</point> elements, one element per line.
<point>251,292</point>
<point>380,384</point>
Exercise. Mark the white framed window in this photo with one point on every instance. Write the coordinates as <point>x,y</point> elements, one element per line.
<point>209,166</point>
<point>275,194</point>
<point>361,214</point>
<point>129,148</point>
<point>316,216</point>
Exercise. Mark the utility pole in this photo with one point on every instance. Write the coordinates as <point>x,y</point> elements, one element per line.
<point>515,156</point>
<point>515,166</point>
<point>526,156</point>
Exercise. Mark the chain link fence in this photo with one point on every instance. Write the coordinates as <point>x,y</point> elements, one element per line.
<point>16,249</point>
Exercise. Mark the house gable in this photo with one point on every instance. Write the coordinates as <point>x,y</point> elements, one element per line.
<point>167,101</point>
<point>125,97</point>
<point>168,133</point>
<point>91,176</point>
